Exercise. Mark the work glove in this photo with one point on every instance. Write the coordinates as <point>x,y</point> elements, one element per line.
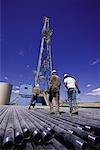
<point>47,92</point>
<point>79,91</point>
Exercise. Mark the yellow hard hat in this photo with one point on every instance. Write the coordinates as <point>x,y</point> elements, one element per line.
<point>53,71</point>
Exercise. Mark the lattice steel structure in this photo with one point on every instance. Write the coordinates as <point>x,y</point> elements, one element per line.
<point>44,66</point>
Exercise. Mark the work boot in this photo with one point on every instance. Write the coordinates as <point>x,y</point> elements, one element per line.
<point>29,107</point>
<point>75,111</point>
<point>52,112</point>
<point>71,110</point>
<point>33,105</point>
<point>58,113</point>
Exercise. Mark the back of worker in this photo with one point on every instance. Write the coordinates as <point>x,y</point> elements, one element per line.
<point>54,90</point>
<point>70,82</point>
<point>72,87</point>
<point>36,90</point>
<point>54,83</point>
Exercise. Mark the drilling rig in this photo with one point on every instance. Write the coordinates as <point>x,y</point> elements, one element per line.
<point>44,66</point>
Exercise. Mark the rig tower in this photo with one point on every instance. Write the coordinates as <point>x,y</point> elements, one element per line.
<point>44,66</point>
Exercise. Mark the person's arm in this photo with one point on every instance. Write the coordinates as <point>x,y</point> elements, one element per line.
<point>59,83</point>
<point>77,88</point>
<point>65,84</point>
<point>50,85</point>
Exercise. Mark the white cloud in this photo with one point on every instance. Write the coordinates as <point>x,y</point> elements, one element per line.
<point>95,92</point>
<point>95,62</point>
<point>21,53</point>
<point>6,78</point>
<point>88,85</point>
<point>15,91</point>
<point>27,66</point>
<point>16,87</point>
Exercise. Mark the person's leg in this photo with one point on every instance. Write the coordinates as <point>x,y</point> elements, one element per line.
<point>46,97</point>
<point>75,106</point>
<point>33,101</point>
<point>50,107</point>
<point>50,103</point>
<point>57,102</point>
<point>30,105</point>
<point>69,92</point>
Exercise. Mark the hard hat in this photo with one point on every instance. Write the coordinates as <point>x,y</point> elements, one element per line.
<point>65,75</point>
<point>53,71</point>
<point>37,85</point>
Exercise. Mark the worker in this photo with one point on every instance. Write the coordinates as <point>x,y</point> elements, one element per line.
<point>54,92</point>
<point>35,94</point>
<point>72,87</point>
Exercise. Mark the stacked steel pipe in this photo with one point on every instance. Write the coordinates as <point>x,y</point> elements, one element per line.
<point>21,128</point>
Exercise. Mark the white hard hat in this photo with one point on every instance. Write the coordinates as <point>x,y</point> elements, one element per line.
<point>37,85</point>
<point>53,71</point>
<point>65,75</point>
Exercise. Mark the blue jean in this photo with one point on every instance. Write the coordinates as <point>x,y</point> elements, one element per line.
<point>72,99</point>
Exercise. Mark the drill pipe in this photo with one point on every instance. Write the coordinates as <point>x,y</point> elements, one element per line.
<point>23,124</point>
<point>43,128</point>
<point>86,125</point>
<point>3,126</point>
<point>18,134</point>
<point>70,138</point>
<point>66,131</point>
<point>3,114</point>
<point>92,139</point>
<point>48,131</point>
<point>38,132</point>
<point>58,145</point>
<point>2,129</point>
<point>8,140</point>
<point>2,111</point>
<point>35,133</point>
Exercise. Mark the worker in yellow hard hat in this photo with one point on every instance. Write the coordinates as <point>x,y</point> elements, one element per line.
<point>54,91</point>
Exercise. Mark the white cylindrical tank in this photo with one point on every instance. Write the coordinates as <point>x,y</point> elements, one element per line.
<point>5,93</point>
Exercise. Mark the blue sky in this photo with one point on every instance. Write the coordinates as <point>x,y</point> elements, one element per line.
<point>75,42</point>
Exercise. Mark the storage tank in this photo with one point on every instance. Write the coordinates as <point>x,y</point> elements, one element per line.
<point>5,93</point>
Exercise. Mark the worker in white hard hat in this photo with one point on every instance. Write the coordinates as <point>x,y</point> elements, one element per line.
<point>54,91</point>
<point>72,87</point>
<point>35,94</point>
